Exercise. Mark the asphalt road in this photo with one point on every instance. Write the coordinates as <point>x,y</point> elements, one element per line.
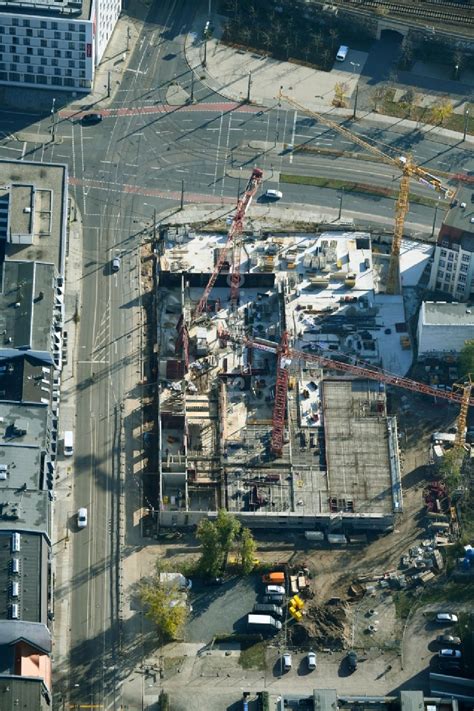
<point>121,170</point>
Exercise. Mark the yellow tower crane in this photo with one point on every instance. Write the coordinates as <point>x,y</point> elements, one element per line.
<point>409,169</point>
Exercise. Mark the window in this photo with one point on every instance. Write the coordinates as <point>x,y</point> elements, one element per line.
<point>30,78</point>
<point>440,273</point>
<point>40,70</point>
<point>3,76</point>
<point>44,43</point>
<point>82,65</point>
<point>39,52</point>
<point>27,60</point>
<point>29,50</point>
<point>68,35</point>
<point>82,28</point>
<point>71,27</point>
<point>438,284</point>
<point>15,22</point>
<point>2,66</point>
<point>26,41</point>
<point>69,82</point>
<point>14,76</point>
<point>2,30</point>
<point>16,40</point>
<point>71,45</point>
<point>69,72</point>
<point>463,268</point>
<point>68,55</point>
<point>449,267</point>
<point>442,263</point>
<point>26,23</point>
<point>54,44</point>
<point>13,49</point>
<point>43,24</point>
<point>13,67</point>
<point>56,80</point>
<point>57,35</point>
<point>11,31</point>
<point>57,53</point>
<point>29,33</point>
<point>58,72</point>
<point>44,61</point>
<point>41,79</point>
<point>54,25</point>
<point>465,258</point>
<point>462,278</point>
<point>450,257</point>
<point>54,62</point>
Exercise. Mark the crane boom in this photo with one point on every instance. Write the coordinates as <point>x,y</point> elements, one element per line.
<point>408,168</point>
<point>235,229</point>
<point>367,371</point>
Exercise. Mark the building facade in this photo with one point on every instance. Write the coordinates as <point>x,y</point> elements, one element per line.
<point>54,43</point>
<point>452,271</point>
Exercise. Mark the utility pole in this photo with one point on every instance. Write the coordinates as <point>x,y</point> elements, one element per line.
<point>434,220</point>
<point>249,86</point>
<point>466,121</point>
<point>354,115</point>
<point>192,86</point>
<point>53,120</point>
<point>128,38</point>
<point>340,203</point>
<point>182,194</point>
<point>154,225</point>
<point>108,84</point>
<point>204,61</point>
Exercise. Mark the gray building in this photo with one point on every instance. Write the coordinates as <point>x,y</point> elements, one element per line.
<point>443,328</point>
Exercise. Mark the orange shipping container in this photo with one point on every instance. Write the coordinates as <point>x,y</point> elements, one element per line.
<point>274,579</point>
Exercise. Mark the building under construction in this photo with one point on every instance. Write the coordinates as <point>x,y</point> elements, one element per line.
<point>249,420</point>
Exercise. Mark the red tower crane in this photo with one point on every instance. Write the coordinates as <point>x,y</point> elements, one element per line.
<point>286,355</point>
<point>235,229</point>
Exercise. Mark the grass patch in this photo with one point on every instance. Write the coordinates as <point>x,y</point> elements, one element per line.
<point>422,114</point>
<point>253,657</point>
<point>403,604</point>
<point>171,663</point>
<point>352,187</point>
<point>447,591</point>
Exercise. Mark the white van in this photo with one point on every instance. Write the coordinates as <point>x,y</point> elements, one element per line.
<point>342,53</point>
<point>68,443</point>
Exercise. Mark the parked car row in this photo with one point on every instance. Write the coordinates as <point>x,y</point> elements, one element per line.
<point>267,615</point>
<point>449,655</point>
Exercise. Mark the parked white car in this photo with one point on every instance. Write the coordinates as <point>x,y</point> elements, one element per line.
<point>82,518</point>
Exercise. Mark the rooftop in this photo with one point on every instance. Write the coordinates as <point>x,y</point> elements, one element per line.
<point>70,9</point>
<point>26,588</point>
<point>24,496</point>
<point>440,313</point>
<point>27,305</point>
<point>23,693</point>
<point>362,475</point>
<point>34,196</point>
<point>459,220</point>
<point>25,379</point>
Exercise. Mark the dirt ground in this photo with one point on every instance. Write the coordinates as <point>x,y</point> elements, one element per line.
<point>333,570</point>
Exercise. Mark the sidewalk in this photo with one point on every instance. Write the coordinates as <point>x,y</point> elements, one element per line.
<point>227,72</point>
<point>64,484</point>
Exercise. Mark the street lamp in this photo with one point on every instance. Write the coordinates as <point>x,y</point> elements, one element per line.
<point>466,121</point>
<point>341,195</point>
<point>434,219</point>
<point>354,65</point>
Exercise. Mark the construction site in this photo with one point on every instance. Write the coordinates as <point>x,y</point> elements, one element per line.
<point>275,352</point>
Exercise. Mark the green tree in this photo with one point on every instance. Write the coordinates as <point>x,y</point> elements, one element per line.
<point>466,360</point>
<point>166,607</point>
<point>247,551</point>
<point>441,110</point>
<point>450,467</point>
<point>340,90</point>
<point>228,527</point>
<point>212,556</point>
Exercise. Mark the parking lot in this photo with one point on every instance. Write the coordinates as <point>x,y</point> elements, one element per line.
<point>221,609</point>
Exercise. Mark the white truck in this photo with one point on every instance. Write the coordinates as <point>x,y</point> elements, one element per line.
<point>265,623</point>
<point>175,580</point>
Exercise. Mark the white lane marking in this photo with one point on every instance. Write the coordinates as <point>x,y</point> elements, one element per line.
<point>23,151</point>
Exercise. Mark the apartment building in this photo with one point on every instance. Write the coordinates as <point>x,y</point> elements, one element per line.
<point>54,43</point>
<point>452,271</point>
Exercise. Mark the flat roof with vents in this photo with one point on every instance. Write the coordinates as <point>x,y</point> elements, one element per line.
<point>70,8</point>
